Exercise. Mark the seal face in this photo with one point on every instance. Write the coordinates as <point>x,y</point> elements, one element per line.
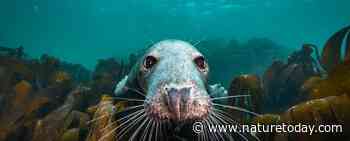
<point>172,75</point>
<point>175,74</point>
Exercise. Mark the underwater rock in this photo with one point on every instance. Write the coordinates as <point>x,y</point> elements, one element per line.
<point>71,135</point>
<point>12,52</point>
<point>249,86</point>
<point>78,73</point>
<point>79,120</point>
<point>52,126</point>
<point>22,90</point>
<point>102,128</point>
<point>14,70</point>
<point>20,110</point>
<point>107,73</point>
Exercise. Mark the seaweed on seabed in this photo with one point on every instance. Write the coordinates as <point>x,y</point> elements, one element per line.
<point>331,55</point>
<point>337,81</point>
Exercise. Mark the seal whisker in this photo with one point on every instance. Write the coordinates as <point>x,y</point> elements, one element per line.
<point>209,123</point>
<point>236,108</point>
<point>102,106</point>
<point>113,130</point>
<point>128,99</point>
<point>207,126</point>
<point>222,114</point>
<point>217,122</point>
<point>198,42</point>
<point>136,117</point>
<point>224,97</point>
<point>227,97</point>
<point>144,133</point>
<point>130,126</point>
<point>207,132</point>
<point>226,120</point>
<point>157,128</point>
<point>151,132</point>
<point>104,115</point>
<point>162,126</point>
<point>127,116</point>
<point>138,129</point>
<point>97,118</point>
<point>130,108</point>
<point>137,91</point>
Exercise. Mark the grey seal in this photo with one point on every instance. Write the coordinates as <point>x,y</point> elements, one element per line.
<point>173,76</point>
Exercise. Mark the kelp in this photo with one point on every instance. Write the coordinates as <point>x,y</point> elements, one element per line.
<point>102,122</point>
<point>246,85</point>
<point>331,55</point>
<point>71,135</point>
<point>22,89</point>
<point>54,125</point>
<point>337,83</point>
<point>331,110</point>
<point>266,119</point>
<point>347,49</point>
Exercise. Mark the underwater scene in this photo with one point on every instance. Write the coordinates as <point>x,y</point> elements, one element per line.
<point>174,70</point>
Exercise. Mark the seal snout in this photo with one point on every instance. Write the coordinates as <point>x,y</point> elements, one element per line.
<point>177,101</point>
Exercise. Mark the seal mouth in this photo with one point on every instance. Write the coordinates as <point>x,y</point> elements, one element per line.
<point>178,103</point>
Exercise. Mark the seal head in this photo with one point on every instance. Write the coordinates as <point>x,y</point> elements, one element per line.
<point>176,81</point>
<point>173,75</point>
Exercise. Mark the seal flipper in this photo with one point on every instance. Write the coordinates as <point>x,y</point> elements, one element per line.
<point>216,91</point>
<point>120,87</point>
<point>126,87</point>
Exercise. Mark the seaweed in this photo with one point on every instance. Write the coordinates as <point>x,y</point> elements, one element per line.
<point>331,55</point>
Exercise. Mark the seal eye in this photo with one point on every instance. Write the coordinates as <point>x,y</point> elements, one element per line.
<point>200,62</point>
<point>149,62</point>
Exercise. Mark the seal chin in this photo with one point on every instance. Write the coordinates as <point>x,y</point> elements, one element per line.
<point>179,104</point>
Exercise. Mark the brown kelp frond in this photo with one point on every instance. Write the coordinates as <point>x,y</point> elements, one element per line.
<point>347,49</point>
<point>331,55</point>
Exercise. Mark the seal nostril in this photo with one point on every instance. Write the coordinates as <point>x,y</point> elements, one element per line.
<point>177,101</point>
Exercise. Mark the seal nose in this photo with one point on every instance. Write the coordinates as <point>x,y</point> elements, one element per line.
<point>177,99</point>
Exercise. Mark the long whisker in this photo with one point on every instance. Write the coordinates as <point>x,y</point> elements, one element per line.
<point>139,128</point>
<point>227,97</point>
<point>212,122</point>
<point>127,116</point>
<point>98,118</point>
<point>229,118</point>
<point>102,106</point>
<point>137,91</point>
<point>113,130</point>
<point>128,99</point>
<point>157,128</point>
<point>207,125</point>
<point>217,122</point>
<point>224,120</point>
<point>130,108</point>
<point>144,134</point>
<point>152,130</point>
<point>237,108</point>
<point>130,126</point>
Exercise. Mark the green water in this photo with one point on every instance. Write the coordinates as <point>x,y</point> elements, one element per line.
<point>82,31</point>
